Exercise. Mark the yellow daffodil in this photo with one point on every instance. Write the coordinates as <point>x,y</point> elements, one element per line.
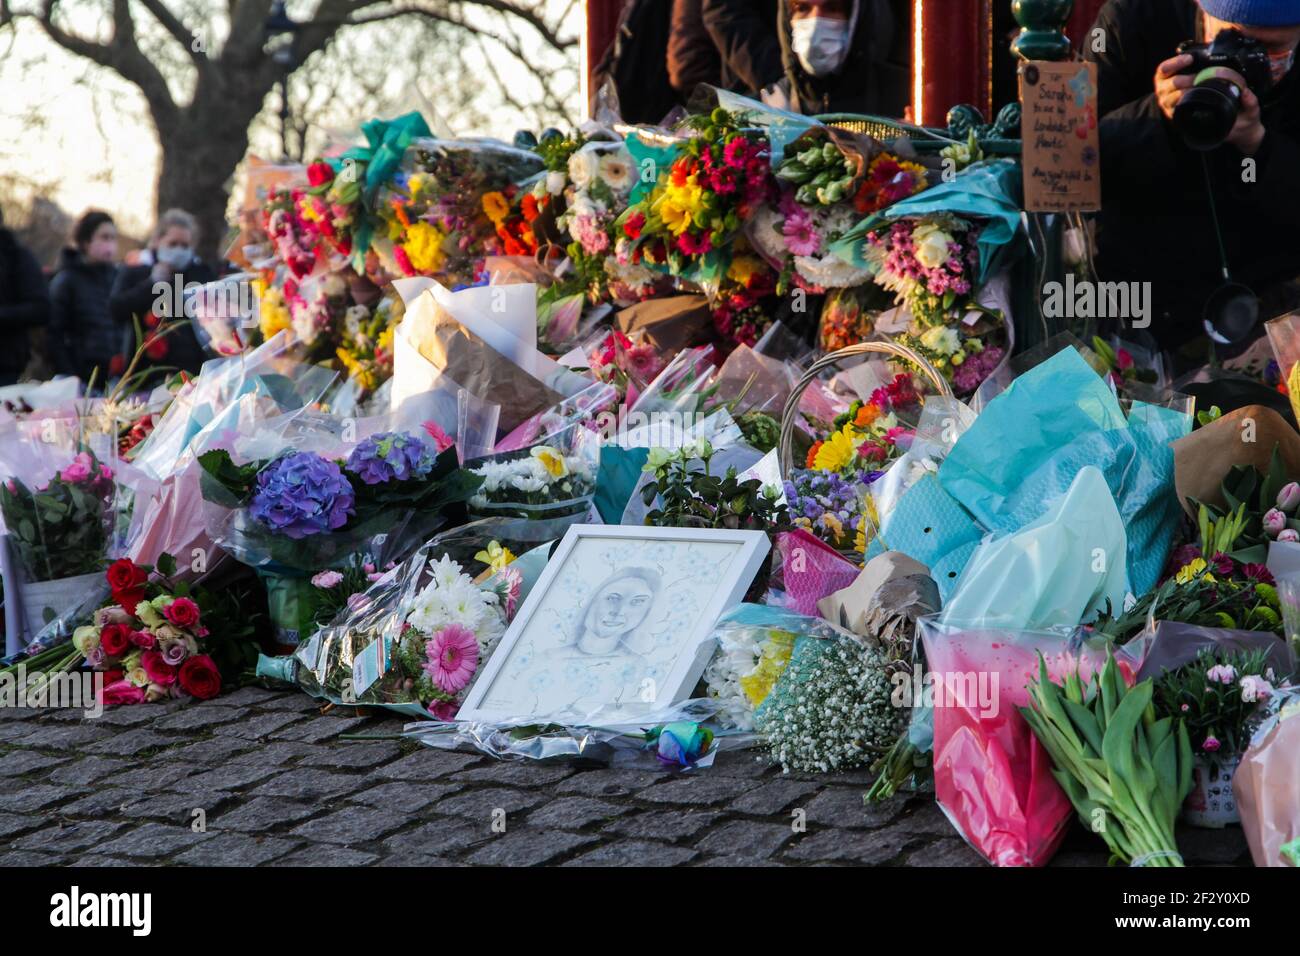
<point>679,206</point>
<point>423,247</point>
<point>495,556</point>
<point>496,207</point>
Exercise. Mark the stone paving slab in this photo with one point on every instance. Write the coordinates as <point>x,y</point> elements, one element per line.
<point>261,778</point>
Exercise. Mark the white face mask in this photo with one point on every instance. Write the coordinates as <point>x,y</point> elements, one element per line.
<point>820,43</point>
<point>1280,64</point>
<point>175,256</point>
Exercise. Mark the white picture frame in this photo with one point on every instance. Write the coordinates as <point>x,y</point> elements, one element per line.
<point>661,597</point>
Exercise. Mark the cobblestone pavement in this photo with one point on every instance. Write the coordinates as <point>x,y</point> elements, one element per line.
<point>276,786</point>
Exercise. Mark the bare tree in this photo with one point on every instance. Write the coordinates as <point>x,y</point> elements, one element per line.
<point>205,68</point>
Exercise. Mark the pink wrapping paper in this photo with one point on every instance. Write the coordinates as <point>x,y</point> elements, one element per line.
<point>809,570</point>
<point>991,775</point>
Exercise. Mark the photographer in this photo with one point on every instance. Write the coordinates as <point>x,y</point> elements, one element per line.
<point>1156,224</point>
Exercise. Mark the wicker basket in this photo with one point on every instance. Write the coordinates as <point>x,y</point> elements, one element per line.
<point>790,413</point>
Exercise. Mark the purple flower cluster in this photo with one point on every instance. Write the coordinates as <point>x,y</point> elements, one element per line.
<point>391,456</point>
<point>812,495</point>
<point>970,374</point>
<point>302,494</point>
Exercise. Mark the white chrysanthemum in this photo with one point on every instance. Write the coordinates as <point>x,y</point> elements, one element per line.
<point>528,485</point>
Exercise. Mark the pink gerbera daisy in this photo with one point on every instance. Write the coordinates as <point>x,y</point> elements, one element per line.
<point>800,237</point>
<point>453,658</point>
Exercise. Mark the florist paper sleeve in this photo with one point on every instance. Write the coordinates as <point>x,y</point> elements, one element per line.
<point>1203,458</point>
<point>466,359</point>
<point>1267,788</point>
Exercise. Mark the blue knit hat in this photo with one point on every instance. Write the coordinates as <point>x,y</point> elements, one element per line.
<point>1254,13</point>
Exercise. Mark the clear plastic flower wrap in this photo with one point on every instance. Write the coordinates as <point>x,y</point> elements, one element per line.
<point>58,506</point>
<point>225,314</point>
<point>993,779</point>
<point>1267,785</point>
<point>831,706</point>
<point>446,208</point>
<point>553,478</point>
<point>675,736</point>
<point>413,641</point>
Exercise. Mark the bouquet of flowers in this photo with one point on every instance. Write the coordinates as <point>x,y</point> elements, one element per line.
<point>157,638</point>
<point>452,627</point>
<point>541,482</point>
<point>60,529</point>
<point>692,497</point>
<point>849,315</point>
<point>830,504</point>
<point>442,211</point>
<point>1216,696</point>
<point>930,264</point>
<point>366,345</point>
<point>600,179</point>
<point>745,667</point>
<point>302,512</point>
<point>629,363</point>
<point>870,434</point>
<point>742,304</point>
<point>330,208</point>
<point>295,243</point>
<point>686,224</point>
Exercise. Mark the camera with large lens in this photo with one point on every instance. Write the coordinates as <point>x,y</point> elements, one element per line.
<point>1223,71</point>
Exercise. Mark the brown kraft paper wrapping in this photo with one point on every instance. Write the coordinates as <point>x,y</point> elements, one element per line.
<point>1203,458</point>
<point>474,365</point>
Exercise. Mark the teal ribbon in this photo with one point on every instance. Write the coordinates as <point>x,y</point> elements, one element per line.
<point>988,190</point>
<point>652,161</point>
<point>386,144</point>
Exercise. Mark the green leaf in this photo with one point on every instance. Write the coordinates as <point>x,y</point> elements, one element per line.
<point>166,564</point>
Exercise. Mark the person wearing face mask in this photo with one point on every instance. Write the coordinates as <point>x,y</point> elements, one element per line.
<point>1156,222</point>
<point>843,56</point>
<point>82,335</point>
<point>170,260</point>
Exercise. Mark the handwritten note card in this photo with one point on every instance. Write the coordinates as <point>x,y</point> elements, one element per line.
<point>1061,153</point>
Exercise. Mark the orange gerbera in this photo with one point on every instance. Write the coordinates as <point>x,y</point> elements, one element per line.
<point>812,454</point>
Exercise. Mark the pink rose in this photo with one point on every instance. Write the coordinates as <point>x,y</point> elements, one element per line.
<point>144,639</point>
<point>79,470</point>
<point>327,579</point>
<point>444,709</point>
<point>122,692</point>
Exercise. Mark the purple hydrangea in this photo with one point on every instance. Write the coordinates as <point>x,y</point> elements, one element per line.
<point>302,494</point>
<point>391,456</point>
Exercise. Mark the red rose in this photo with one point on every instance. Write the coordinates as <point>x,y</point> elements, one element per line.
<point>200,678</point>
<point>159,671</point>
<point>124,574</point>
<point>319,173</point>
<point>115,639</point>
<point>182,612</point>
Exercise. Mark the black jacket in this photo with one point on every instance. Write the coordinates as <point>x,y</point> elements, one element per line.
<point>133,296</point>
<point>744,34</point>
<point>876,76</point>
<point>1155,223</point>
<point>24,304</point>
<point>83,335</point>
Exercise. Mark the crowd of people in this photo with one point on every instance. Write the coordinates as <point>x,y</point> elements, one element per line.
<point>92,315</point>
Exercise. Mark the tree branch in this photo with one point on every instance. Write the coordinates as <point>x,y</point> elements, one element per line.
<point>121,54</point>
<point>180,33</point>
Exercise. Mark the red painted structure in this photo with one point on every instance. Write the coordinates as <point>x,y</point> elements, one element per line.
<point>955,43</point>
